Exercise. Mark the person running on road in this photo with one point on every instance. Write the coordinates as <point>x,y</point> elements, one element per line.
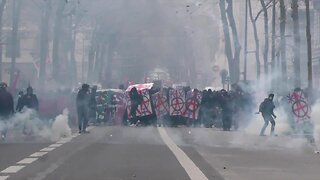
<point>266,108</point>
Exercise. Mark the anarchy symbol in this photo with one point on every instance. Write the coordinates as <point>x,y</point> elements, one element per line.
<point>144,106</point>
<point>192,105</point>
<point>300,109</point>
<point>162,102</point>
<point>177,104</point>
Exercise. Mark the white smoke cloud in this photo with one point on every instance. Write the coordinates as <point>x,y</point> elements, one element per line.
<point>28,123</point>
<point>60,127</point>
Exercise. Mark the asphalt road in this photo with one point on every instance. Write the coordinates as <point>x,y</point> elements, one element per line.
<point>140,153</point>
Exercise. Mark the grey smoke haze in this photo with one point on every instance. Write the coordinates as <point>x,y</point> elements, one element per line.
<point>118,40</point>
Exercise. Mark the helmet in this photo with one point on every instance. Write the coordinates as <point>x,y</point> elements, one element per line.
<point>85,86</point>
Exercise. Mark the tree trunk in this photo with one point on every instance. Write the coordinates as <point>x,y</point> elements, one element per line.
<point>14,38</point>
<point>266,37</point>
<point>2,5</point>
<point>283,43</point>
<point>108,69</point>
<point>73,37</point>
<point>227,39</point>
<point>256,40</point>
<point>237,47</point>
<point>308,34</point>
<point>92,53</point>
<point>98,59</point>
<point>44,41</point>
<point>245,54</point>
<point>273,40</point>
<point>296,52</point>
<point>56,40</point>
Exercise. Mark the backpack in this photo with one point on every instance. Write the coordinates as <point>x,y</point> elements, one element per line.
<point>262,107</point>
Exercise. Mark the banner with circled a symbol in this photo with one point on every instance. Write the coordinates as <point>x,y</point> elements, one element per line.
<point>193,100</point>
<point>177,102</point>
<point>300,106</point>
<point>160,102</point>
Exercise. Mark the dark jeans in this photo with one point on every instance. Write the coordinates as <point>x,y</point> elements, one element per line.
<point>268,118</point>
<point>133,113</point>
<point>226,121</point>
<point>82,118</point>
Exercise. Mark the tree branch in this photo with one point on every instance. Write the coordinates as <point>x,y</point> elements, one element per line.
<point>268,5</point>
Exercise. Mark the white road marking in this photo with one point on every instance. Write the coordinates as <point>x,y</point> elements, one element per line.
<point>47,149</point>
<point>4,177</point>
<point>38,154</point>
<point>55,145</point>
<point>13,169</point>
<point>62,141</point>
<point>35,156</point>
<point>27,161</point>
<point>192,170</point>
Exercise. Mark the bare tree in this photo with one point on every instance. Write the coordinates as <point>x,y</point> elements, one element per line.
<point>254,20</point>
<point>57,38</point>
<point>94,45</point>
<point>256,39</point>
<point>273,38</point>
<point>2,5</point>
<point>44,40</point>
<point>16,10</point>
<point>236,43</point>
<point>283,42</point>
<point>308,34</point>
<point>266,36</point>
<point>233,59</point>
<point>296,32</point>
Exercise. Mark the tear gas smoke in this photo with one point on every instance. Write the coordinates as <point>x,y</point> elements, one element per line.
<point>60,127</point>
<point>249,135</point>
<point>29,124</point>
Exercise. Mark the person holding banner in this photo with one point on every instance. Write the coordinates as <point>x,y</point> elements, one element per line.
<point>136,100</point>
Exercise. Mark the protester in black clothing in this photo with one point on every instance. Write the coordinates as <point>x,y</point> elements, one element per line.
<point>136,100</point>
<point>227,110</point>
<point>6,102</point>
<point>82,102</point>
<point>266,108</point>
<point>6,106</point>
<point>29,100</point>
